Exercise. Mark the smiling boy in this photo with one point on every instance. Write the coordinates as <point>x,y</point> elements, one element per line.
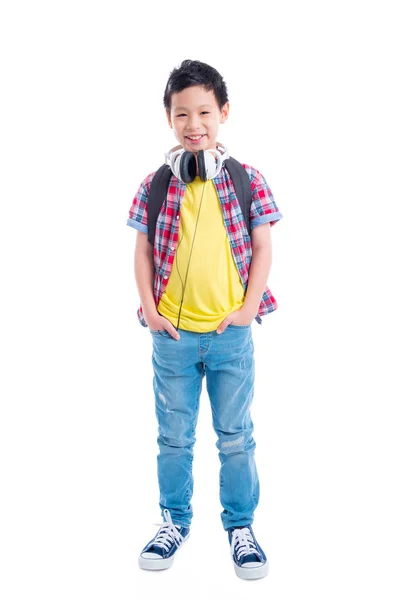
<point>201,285</point>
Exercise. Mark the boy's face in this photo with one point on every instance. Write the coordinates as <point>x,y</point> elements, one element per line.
<point>195,112</point>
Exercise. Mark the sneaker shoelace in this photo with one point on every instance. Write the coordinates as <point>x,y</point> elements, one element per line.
<point>168,533</point>
<point>243,543</point>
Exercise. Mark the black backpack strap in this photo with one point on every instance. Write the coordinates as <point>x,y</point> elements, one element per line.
<point>241,183</point>
<point>157,195</point>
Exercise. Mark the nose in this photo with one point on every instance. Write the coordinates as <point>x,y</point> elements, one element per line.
<point>193,122</point>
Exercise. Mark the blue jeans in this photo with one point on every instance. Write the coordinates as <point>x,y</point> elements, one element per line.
<point>227,360</point>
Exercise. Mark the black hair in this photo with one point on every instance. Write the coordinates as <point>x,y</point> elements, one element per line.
<point>194,72</point>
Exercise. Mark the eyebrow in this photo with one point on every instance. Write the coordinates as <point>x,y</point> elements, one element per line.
<point>184,108</point>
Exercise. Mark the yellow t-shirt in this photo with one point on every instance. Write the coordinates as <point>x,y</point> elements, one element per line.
<point>213,286</point>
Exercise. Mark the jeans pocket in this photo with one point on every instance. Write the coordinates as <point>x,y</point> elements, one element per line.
<point>161,332</point>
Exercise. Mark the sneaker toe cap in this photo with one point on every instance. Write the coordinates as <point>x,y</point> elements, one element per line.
<point>252,565</point>
<point>152,555</point>
<point>251,561</point>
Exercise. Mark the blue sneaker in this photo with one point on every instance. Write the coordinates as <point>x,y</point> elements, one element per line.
<point>248,557</point>
<point>160,551</point>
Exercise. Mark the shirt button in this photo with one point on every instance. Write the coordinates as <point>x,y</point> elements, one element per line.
<point>172,247</point>
<point>177,216</point>
<point>165,276</point>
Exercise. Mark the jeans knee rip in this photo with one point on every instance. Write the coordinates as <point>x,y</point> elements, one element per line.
<point>233,443</point>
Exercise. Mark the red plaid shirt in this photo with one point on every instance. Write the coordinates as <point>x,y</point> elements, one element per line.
<point>263,209</point>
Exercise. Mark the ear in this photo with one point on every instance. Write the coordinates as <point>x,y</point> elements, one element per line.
<point>168,118</point>
<point>224,113</point>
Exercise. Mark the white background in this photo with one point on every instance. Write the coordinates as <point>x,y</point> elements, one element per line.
<point>314,96</point>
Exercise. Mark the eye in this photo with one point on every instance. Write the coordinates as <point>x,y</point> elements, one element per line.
<point>181,115</point>
<point>205,112</point>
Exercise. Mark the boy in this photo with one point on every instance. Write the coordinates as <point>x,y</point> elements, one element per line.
<point>199,297</point>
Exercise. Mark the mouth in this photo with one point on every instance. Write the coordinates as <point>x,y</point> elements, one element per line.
<point>194,139</point>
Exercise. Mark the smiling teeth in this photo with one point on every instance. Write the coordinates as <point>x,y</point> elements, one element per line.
<point>194,137</point>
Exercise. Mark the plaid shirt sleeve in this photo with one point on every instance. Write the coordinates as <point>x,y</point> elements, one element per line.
<point>138,211</point>
<point>263,208</point>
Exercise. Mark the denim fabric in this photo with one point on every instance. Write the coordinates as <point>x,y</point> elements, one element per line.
<point>227,361</point>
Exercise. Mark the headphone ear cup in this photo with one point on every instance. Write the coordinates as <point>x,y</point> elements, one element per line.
<point>201,159</point>
<point>187,167</point>
<point>211,164</point>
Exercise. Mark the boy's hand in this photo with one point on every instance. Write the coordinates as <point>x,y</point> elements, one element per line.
<point>237,317</point>
<point>159,323</point>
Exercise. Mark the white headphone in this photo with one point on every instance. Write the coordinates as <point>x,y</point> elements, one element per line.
<point>183,163</point>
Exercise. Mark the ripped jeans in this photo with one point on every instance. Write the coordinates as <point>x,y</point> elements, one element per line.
<point>227,360</point>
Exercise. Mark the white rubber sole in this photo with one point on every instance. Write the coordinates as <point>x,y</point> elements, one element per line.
<point>251,572</point>
<point>159,564</point>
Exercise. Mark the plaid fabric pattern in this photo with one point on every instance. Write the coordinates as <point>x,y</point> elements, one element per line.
<point>263,210</point>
